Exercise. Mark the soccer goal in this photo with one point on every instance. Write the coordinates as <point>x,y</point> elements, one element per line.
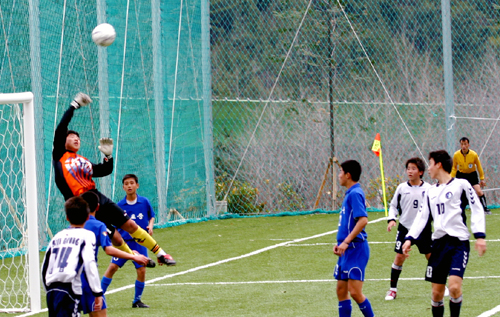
<point>19,252</point>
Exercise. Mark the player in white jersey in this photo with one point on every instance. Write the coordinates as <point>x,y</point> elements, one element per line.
<point>445,203</point>
<point>405,204</point>
<point>68,253</point>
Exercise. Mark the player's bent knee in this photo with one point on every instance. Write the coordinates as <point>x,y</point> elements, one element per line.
<point>130,226</point>
<point>400,259</point>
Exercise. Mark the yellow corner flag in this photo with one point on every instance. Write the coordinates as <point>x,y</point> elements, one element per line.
<point>377,149</point>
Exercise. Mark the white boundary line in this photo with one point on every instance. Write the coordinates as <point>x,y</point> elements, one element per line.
<point>116,290</point>
<point>490,312</point>
<point>369,242</point>
<point>307,281</point>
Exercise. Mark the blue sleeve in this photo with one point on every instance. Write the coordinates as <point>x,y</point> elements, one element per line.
<point>358,205</point>
<point>151,212</point>
<point>104,237</point>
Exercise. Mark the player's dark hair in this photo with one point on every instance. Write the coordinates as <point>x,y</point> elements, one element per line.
<point>92,199</point>
<point>130,176</point>
<point>417,161</point>
<point>72,132</point>
<point>352,167</point>
<point>77,210</point>
<point>464,139</point>
<point>442,157</point>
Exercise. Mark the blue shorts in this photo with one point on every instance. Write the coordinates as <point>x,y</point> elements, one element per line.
<point>134,246</point>
<point>62,302</point>
<point>352,265</point>
<point>449,256</point>
<point>88,298</point>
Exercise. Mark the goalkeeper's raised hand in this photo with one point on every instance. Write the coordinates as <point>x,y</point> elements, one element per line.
<point>106,146</point>
<point>81,100</point>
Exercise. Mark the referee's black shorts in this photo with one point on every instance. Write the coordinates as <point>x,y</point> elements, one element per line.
<point>471,177</point>
<point>110,213</point>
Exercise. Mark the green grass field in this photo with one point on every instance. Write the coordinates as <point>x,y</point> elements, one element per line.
<point>223,270</point>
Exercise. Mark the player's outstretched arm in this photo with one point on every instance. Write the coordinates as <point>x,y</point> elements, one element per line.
<point>80,100</point>
<point>114,252</point>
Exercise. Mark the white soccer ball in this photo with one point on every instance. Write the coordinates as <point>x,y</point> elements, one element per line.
<point>104,34</point>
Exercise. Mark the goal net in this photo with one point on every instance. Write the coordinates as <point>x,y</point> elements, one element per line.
<point>19,257</point>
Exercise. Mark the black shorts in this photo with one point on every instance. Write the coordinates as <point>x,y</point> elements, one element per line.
<point>61,301</point>
<point>470,177</point>
<point>110,213</point>
<point>449,257</point>
<point>424,242</point>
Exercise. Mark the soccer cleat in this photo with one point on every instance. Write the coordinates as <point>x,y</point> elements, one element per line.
<point>446,291</point>
<point>139,304</point>
<point>166,259</point>
<point>487,211</point>
<point>151,263</point>
<point>391,295</point>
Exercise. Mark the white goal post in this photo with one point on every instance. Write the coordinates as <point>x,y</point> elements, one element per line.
<point>28,191</point>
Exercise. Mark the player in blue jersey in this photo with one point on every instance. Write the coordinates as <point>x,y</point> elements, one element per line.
<point>103,240</point>
<point>444,203</point>
<point>139,209</point>
<point>352,245</point>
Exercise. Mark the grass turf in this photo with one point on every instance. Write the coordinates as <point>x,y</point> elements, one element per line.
<point>290,280</point>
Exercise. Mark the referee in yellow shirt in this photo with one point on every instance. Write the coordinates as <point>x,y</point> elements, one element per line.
<point>466,165</point>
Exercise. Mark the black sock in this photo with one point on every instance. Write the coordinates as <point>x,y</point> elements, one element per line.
<point>437,309</point>
<point>483,202</point>
<point>455,305</point>
<point>395,272</point>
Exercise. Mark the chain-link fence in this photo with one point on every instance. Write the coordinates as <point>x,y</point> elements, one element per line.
<point>295,82</point>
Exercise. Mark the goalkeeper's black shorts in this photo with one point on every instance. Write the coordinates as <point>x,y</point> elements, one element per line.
<point>110,213</point>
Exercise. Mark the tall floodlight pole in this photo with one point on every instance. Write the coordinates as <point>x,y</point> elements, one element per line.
<point>448,75</point>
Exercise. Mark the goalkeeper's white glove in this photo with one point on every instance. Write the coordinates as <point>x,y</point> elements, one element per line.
<point>106,146</point>
<point>81,100</point>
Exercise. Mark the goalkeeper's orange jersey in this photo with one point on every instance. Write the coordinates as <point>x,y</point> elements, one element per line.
<point>73,172</point>
<point>468,163</point>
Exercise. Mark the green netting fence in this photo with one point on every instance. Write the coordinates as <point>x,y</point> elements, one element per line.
<point>150,91</point>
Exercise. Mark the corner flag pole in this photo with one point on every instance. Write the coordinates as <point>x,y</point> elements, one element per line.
<point>377,149</point>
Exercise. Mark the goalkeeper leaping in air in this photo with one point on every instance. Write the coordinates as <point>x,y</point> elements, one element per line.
<point>73,176</point>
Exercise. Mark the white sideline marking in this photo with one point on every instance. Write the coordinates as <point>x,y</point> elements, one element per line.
<point>116,290</point>
<point>307,281</point>
<point>490,312</point>
<point>369,242</point>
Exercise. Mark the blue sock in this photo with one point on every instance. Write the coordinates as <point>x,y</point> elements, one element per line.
<point>366,308</point>
<point>105,283</point>
<point>345,308</point>
<point>139,288</point>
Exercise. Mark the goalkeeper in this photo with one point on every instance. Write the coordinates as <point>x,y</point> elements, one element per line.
<point>73,176</point>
